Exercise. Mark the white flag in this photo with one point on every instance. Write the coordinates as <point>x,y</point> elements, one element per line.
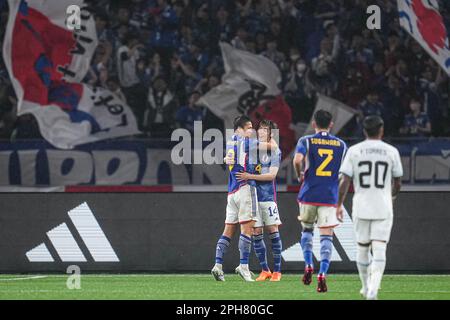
<point>422,20</point>
<point>342,113</point>
<point>249,80</point>
<point>46,62</point>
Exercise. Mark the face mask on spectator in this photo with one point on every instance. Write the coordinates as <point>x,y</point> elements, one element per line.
<point>301,67</point>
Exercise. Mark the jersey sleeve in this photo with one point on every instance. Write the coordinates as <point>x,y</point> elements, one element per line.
<point>397,168</point>
<point>302,146</point>
<point>251,149</point>
<point>275,160</point>
<point>347,167</point>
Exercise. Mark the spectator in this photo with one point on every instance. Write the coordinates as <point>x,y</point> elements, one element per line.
<point>134,90</point>
<point>323,69</point>
<point>101,24</point>
<point>273,54</point>
<point>299,92</point>
<point>417,123</point>
<point>187,115</point>
<point>141,41</point>
<point>159,120</point>
<point>371,105</point>
<point>239,40</point>
<point>165,30</point>
<point>428,88</point>
<point>207,84</point>
<point>223,28</point>
<point>127,57</point>
<point>400,70</point>
<point>113,84</point>
<point>360,57</point>
<point>198,56</point>
<point>102,63</point>
<point>378,78</point>
<point>260,43</point>
<point>392,98</point>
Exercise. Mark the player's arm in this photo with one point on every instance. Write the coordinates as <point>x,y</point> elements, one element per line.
<point>345,180</point>
<point>270,176</point>
<point>300,153</point>
<point>271,145</point>
<point>344,184</point>
<point>396,186</point>
<point>426,129</point>
<point>397,173</point>
<point>298,165</point>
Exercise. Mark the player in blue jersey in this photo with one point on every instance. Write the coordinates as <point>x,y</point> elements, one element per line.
<point>322,154</point>
<point>242,205</point>
<point>268,217</point>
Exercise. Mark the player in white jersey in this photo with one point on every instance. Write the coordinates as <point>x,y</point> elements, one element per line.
<point>376,170</point>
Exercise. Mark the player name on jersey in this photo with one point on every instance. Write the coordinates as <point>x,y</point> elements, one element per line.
<point>326,142</point>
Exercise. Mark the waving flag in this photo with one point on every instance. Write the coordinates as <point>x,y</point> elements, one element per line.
<point>422,20</point>
<point>46,62</point>
<point>342,113</point>
<point>250,86</point>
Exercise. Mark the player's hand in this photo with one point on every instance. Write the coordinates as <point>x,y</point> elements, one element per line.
<point>301,177</point>
<point>228,160</point>
<point>340,213</point>
<point>242,176</point>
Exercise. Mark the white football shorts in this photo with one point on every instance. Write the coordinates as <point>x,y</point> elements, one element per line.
<point>242,205</point>
<point>268,214</point>
<point>322,216</point>
<point>370,230</point>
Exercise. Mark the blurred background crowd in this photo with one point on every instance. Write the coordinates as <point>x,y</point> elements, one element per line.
<point>161,56</point>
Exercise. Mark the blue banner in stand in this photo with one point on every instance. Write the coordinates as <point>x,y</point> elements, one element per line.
<point>149,162</point>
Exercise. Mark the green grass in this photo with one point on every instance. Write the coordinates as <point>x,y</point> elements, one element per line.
<point>203,286</point>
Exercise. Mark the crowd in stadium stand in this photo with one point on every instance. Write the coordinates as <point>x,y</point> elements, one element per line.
<point>162,55</point>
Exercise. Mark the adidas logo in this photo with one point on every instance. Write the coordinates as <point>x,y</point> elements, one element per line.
<point>344,233</point>
<point>67,247</point>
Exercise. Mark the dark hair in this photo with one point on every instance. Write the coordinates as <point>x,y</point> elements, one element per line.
<point>239,122</point>
<point>372,125</point>
<point>415,98</point>
<point>195,92</point>
<point>323,119</point>
<point>268,124</point>
<point>130,37</point>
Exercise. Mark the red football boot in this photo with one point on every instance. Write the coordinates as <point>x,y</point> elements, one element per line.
<point>307,276</point>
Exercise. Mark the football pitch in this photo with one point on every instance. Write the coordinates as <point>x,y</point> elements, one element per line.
<point>204,287</point>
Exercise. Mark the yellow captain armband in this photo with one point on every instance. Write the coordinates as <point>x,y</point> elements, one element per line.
<point>231,154</point>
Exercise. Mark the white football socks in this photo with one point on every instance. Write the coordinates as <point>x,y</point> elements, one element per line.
<point>363,263</point>
<point>377,267</point>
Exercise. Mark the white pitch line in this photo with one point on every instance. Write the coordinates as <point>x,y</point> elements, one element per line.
<point>23,278</point>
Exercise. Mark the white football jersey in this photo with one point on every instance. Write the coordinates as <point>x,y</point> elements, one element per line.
<point>372,164</point>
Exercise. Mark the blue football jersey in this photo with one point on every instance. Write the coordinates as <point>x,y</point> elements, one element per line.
<point>267,190</point>
<point>323,154</point>
<point>241,150</point>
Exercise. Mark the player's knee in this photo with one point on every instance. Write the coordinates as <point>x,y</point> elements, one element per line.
<point>272,229</point>
<point>257,231</point>
<point>379,250</point>
<point>247,229</point>
<point>229,230</point>
<point>366,244</point>
<point>258,237</point>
